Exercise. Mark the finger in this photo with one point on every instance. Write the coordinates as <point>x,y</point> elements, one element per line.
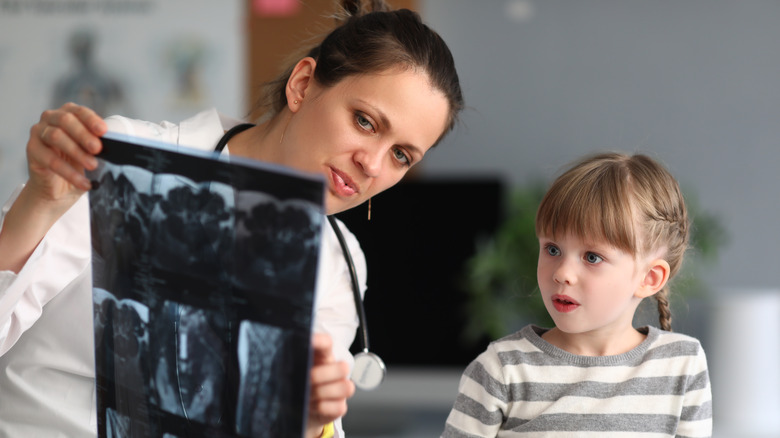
<point>59,140</point>
<point>74,130</point>
<point>89,118</point>
<point>322,345</point>
<point>78,123</point>
<point>329,408</point>
<point>47,160</point>
<point>330,372</point>
<point>51,152</point>
<point>335,390</point>
<point>325,411</point>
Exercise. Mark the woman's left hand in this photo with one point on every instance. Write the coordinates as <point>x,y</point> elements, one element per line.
<point>330,386</point>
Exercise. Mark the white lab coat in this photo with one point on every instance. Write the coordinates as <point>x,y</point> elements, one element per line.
<point>47,376</point>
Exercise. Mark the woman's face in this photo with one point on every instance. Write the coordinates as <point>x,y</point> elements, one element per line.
<point>364,133</point>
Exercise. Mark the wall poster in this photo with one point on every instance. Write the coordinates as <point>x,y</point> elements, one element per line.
<point>204,273</point>
<point>145,59</point>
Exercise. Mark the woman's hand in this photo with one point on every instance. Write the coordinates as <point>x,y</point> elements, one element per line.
<point>61,146</point>
<point>330,386</point>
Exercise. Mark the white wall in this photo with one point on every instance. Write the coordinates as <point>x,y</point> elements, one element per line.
<point>694,83</point>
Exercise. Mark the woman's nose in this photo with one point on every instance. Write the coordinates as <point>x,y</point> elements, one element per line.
<point>370,161</point>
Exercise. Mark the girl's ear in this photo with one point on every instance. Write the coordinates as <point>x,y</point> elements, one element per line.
<point>655,278</point>
<point>299,82</point>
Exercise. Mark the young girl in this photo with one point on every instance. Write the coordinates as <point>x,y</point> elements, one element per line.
<point>612,231</point>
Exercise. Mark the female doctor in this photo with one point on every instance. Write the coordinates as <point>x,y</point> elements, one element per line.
<point>360,108</point>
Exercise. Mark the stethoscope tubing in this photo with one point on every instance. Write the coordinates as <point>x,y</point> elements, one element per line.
<point>362,327</point>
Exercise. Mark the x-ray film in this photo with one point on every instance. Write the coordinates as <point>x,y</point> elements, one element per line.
<point>204,271</point>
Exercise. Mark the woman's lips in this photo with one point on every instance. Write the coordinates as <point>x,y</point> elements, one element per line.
<point>564,304</point>
<point>342,184</point>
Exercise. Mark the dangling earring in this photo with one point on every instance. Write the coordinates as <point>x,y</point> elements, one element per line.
<point>369,208</point>
<point>281,139</point>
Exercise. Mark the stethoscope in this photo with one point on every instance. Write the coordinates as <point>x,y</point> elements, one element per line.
<point>369,370</point>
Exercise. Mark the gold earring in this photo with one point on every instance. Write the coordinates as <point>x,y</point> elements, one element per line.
<point>369,208</point>
<point>281,138</point>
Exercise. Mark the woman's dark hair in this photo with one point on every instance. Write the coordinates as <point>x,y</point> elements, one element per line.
<point>372,38</point>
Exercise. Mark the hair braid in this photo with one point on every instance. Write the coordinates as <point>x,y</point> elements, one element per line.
<point>664,309</point>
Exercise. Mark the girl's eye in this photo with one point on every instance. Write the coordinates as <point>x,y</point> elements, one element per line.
<point>363,122</point>
<point>553,250</point>
<point>399,155</point>
<point>593,258</point>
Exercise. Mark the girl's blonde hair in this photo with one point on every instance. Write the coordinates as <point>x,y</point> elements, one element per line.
<point>629,201</point>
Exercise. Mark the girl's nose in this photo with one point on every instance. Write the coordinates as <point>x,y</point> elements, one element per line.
<point>564,274</point>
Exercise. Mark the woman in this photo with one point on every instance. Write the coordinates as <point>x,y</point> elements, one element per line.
<point>360,108</point>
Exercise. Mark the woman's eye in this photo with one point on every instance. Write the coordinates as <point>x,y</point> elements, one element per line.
<point>363,122</point>
<point>553,250</point>
<point>401,156</point>
<point>593,258</point>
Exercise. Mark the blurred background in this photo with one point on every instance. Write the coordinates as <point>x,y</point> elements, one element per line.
<point>693,83</point>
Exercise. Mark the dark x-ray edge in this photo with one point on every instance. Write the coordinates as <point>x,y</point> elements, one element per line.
<point>111,137</point>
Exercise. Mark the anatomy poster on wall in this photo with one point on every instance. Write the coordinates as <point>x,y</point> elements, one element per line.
<point>147,59</point>
<point>204,272</point>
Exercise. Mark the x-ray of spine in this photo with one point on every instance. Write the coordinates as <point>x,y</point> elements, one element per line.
<point>204,273</point>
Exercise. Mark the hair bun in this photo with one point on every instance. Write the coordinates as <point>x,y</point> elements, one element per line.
<point>356,8</point>
<point>352,8</point>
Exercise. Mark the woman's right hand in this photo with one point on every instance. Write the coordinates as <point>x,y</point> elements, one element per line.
<point>61,146</point>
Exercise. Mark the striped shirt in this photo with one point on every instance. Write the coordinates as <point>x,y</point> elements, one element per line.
<point>523,386</point>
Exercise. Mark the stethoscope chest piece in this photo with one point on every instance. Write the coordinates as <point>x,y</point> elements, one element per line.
<point>369,371</point>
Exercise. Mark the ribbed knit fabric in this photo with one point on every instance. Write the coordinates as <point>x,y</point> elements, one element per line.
<point>523,386</point>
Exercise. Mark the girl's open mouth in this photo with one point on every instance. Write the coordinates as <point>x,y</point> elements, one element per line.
<point>564,304</point>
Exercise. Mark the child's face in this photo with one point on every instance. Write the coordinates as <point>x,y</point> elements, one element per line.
<point>588,287</point>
